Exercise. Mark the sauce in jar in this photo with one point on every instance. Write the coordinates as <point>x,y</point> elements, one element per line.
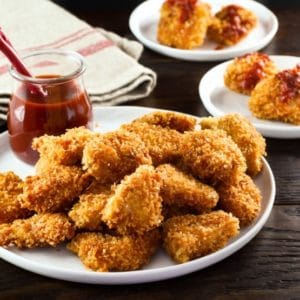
<point>64,105</point>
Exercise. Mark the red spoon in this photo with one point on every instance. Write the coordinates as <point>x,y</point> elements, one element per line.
<point>8,50</point>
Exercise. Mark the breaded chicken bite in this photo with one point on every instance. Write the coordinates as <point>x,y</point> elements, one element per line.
<point>136,206</point>
<point>65,149</point>
<point>11,186</point>
<point>171,120</point>
<point>231,24</point>
<point>163,143</point>
<point>183,190</point>
<point>113,155</point>
<point>103,252</point>
<point>183,23</point>
<point>242,199</point>
<point>277,97</point>
<point>212,156</point>
<point>87,212</point>
<point>245,72</point>
<point>188,237</point>
<point>53,191</point>
<point>244,134</point>
<point>38,231</point>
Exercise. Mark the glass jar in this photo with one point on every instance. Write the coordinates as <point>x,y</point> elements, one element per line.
<point>51,101</point>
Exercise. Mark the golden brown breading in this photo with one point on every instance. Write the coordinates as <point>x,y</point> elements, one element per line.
<point>244,134</point>
<point>244,73</point>
<point>102,252</point>
<point>173,210</point>
<point>188,237</point>
<point>11,186</point>
<point>163,143</point>
<point>231,24</point>
<point>65,149</point>
<point>113,155</point>
<point>212,156</point>
<point>38,231</point>
<point>183,23</point>
<point>136,206</point>
<point>277,97</point>
<point>171,120</point>
<point>55,190</point>
<point>87,212</point>
<point>242,199</point>
<point>183,190</point>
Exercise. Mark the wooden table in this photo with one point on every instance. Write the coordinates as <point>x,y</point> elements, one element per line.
<point>266,268</point>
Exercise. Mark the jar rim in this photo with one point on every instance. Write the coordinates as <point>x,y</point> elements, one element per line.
<point>55,80</point>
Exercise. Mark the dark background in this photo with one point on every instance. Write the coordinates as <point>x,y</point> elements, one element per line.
<point>87,5</point>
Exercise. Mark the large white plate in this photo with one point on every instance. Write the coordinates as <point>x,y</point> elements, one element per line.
<point>62,264</point>
<point>144,19</point>
<point>219,100</point>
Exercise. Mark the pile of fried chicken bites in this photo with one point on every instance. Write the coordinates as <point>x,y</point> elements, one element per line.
<point>116,197</point>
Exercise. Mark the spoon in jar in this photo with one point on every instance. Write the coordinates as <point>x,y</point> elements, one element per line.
<point>9,51</point>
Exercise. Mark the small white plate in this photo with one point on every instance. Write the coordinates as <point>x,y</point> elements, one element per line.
<point>61,264</point>
<point>219,100</point>
<point>144,20</point>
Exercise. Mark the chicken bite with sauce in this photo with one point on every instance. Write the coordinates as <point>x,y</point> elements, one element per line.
<point>245,72</point>
<point>277,97</point>
<point>183,23</point>
<point>230,25</point>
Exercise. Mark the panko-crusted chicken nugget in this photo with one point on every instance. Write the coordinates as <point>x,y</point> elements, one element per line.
<point>65,149</point>
<point>212,156</point>
<point>242,199</point>
<point>11,186</point>
<point>103,252</point>
<point>244,134</point>
<point>87,212</point>
<point>183,190</point>
<point>163,143</point>
<point>171,120</point>
<point>113,155</point>
<point>55,190</point>
<point>231,24</point>
<point>183,23</point>
<point>136,206</point>
<point>38,231</point>
<point>245,72</point>
<point>188,237</point>
<point>277,97</point>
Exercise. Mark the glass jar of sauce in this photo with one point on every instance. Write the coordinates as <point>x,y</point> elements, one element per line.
<point>51,101</point>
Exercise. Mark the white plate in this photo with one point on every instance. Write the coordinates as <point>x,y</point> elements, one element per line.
<point>144,19</point>
<point>219,100</point>
<point>62,264</point>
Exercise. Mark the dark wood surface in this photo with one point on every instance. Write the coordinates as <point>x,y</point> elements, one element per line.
<point>266,268</point>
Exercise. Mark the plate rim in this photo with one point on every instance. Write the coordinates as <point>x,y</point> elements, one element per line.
<point>202,55</point>
<point>146,275</point>
<point>263,128</point>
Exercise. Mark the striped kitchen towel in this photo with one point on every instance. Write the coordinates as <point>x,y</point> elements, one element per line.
<point>113,74</point>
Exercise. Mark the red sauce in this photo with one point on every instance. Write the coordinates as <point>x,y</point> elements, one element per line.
<point>64,106</point>
<point>256,72</point>
<point>289,83</point>
<point>187,8</point>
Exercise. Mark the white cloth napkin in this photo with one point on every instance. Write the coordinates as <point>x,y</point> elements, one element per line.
<point>113,74</point>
